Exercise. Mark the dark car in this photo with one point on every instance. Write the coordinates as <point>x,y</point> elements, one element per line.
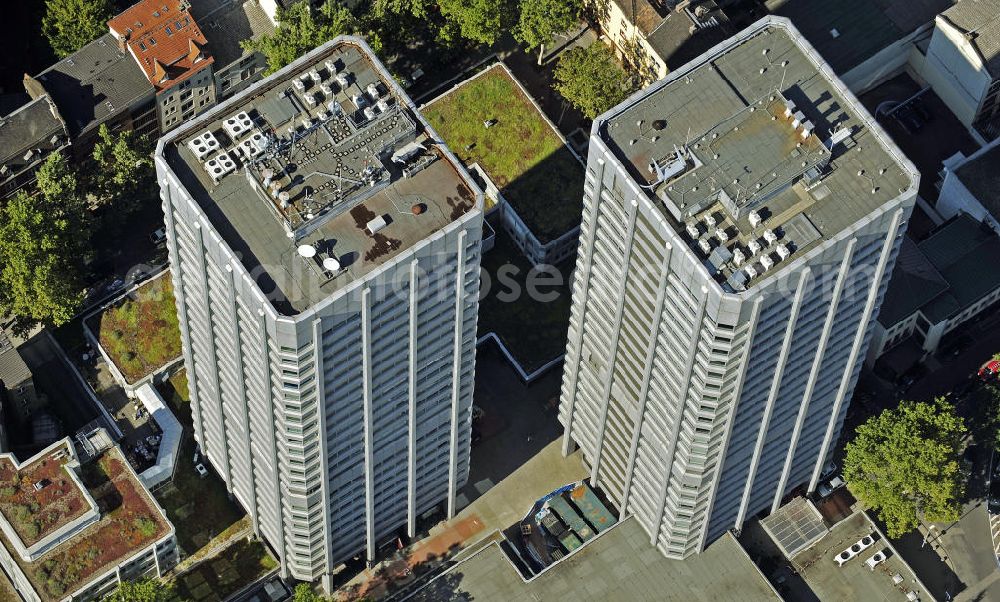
<point>993,499</point>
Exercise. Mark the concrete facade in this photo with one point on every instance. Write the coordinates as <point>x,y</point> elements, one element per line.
<point>338,422</point>
<point>700,401</point>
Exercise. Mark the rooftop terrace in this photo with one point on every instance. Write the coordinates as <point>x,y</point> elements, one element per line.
<point>756,153</point>
<point>319,174</point>
<point>618,565</point>
<point>129,520</point>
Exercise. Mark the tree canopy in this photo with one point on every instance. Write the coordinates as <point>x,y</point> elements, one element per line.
<point>905,464</point>
<point>304,593</point>
<point>299,31</point>
<point>71,24</point>
<point>540,20</point>
<point>124,170</point>
<point>42,240</point>
<point>145,590</point>
<point>591,80</point>
<point>480,21</point>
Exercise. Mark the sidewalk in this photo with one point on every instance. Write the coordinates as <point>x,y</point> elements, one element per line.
<point>498,508</point>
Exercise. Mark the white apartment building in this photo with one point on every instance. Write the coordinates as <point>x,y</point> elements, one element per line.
<point>325,249</point>
<point>741,220</point>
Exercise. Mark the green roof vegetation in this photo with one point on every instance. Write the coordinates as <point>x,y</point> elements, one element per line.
<point>141,332</point>
<point>537,174</point>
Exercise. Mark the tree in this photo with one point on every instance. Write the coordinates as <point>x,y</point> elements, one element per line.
<point>540,20</point>
<point>42,240</point>
<point>299,30</point>
<point>145,590</point>
<point>71,24</point>
<point>304,593</point>
<point>124,169</point>
<point>479,21</point>
<point>905,464</point>
<point>591,80</point>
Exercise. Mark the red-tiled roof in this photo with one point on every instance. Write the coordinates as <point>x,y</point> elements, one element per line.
<point>159,34</point>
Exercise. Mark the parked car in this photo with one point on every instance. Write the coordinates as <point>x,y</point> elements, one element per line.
<point>830,486</point>
<point>989,370</point>
<point>158,236</point>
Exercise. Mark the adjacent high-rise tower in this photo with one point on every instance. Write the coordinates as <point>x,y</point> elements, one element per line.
<point>741,220</point>
<point>324,248</point>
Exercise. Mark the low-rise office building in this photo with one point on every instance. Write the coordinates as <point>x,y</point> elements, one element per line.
<point>73,527</point>
<point>939,283</point>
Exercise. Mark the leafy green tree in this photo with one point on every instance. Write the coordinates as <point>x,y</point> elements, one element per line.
<point>124,168</point>
<point>417,8</point>
<point>71,24</point>
<point>301,29</point>
<point>304,593</point>
<point>42,240</point>
<point>591,80</point>
<point>540,20</point>
<point>480,21</point>
<point>905,464</point>
<point>145,590</point>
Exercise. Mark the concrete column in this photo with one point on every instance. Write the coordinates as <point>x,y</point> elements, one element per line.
<point>859,339</point>
<point>613,344</point>
<point>824,339</point>
<point>411,465</point>
<point>584,265</point>
<point>456,369</point>
<point>324,448</point>
<point>213,372</point>
<point>668,457</point>
<point>779,370</point>
<point>234,323</point>
<point>264,365</point>
<point>366,370</point>
<point>750,331</point>
<point>654,329</point>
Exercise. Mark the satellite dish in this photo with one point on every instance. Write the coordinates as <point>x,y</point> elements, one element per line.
<point>307,251</point>
<point>331,264</point>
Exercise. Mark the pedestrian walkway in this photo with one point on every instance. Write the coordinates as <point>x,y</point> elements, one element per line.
<point>498,508</point>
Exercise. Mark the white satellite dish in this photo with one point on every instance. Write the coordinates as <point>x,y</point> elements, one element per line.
<point>331,264</point>
<point>307,251</point>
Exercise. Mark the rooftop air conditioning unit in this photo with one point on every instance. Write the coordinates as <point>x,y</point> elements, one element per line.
<point>770,237</point>
<point>219,166</point>
<point>237,125</point>
<point>754,219</point>
<point>203,145</point>
<point>860,546</point>
<point>372,90</point>
<point>876,559</point>
<point>331,66</point>
<point>705,246</point>
<point>692,230</point>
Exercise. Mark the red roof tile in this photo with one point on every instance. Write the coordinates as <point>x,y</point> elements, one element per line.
<point>160,35</point>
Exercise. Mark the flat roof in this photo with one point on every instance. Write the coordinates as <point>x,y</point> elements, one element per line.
<point>522,152</point>
<point>980,174</point>
<point>849,32</point>
<point>327,154</point>
<point>620,564</point>
<point>888,581</point>
<point>130,521</point>
<point>755,153</point>
<point>35,513</point>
